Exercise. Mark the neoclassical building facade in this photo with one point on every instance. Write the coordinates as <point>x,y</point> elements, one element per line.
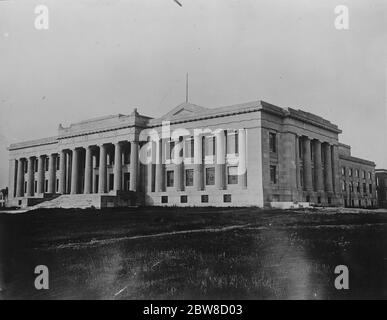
<point>251,154</point>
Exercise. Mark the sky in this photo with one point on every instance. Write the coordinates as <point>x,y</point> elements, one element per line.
<point>103,57</point>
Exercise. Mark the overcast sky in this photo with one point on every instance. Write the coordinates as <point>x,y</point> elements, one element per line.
<point>102,57</point>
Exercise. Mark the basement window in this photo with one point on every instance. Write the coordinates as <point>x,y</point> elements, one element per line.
<point>183,199</point>
<point>227,198</point>
<point>164,199</point>
<point>204,198</point>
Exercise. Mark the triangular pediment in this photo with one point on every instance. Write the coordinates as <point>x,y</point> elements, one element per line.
<point>184,110</point>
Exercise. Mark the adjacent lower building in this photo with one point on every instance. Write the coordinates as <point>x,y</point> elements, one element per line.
<point>251,154</point>
<point>381,187</point>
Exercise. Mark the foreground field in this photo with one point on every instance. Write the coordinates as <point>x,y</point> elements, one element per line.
<point>193,253</point>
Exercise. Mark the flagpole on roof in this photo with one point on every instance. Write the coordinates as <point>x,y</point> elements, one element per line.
<point>186,89</point>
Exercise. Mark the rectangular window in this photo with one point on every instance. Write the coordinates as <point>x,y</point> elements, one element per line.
<point>357,173</point>
<point>36,165</point>
<point>343,186</point>
<point>25,187</point>
<point>357,187</point>
<point>227,198</point>
<point>364,188</point>
<point>46,186</point>
<point>46,163</point>
<point>189,147</point>
<point>204,198</point>
<point>164,199</point>
<point>232,142</point>
<point>343,171</point>
<point>232,175</point>
<point>273,174</point>
<point>369,175</point>
<point>370,188</point>
<point>350,172</point>
<point>57,163</point>
<point>170,178</point>
<point>189,177</point>
<point>169,149</point>
<point>210,146</point>
<point>363,174</point>
<point>210,176</point>
<point>273,142</point>
<point>25,167</point>
<point>57,185</point>
<point>183,199</point>
<point>36,186</point>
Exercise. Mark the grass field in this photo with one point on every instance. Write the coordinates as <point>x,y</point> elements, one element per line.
<point>176,253</point>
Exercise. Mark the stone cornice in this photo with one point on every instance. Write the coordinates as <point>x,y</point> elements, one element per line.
<point>358,160</point>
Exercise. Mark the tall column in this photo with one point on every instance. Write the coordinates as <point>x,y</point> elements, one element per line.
<point>198,162</point>
<point>88,170</point>
<point>220,160</point>
<point>308,184</point>
<point>41,161</point>
<point>328,167</point>
<point>318,166</point>
<point>102,186</point>
<point>30,177</point>
<point>51,173</point>
<point>160,172</point>
<point>74,172</point>
<point>133,167</point>
<point>242,153</point>
<point>20,178</point>
<point>335,169</point>
<point>62,173</point>
<point>117,167</point>
<point>298,169</point>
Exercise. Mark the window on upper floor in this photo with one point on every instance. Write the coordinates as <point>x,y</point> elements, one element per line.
<point>209,145</point>
<point>343,171</point>
<point>232,141</point>
<point>273,142</point>
<point>350,172</point>
<point>189,147</point>
<point>169,146</point>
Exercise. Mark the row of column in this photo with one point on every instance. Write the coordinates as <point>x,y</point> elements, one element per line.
<point>64,175</point>
<point>40,176</point>
<point>324,179</point>
<point>158,154</point>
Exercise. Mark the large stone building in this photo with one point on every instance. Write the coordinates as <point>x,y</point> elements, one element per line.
<point>252,154</point>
